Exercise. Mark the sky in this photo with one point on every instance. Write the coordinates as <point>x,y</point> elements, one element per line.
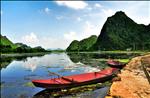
<point>55,24</point>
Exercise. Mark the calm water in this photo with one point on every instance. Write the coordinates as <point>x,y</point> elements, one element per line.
<point>17,72</point>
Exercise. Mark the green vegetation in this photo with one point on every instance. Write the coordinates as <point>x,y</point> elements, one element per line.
<point>113,52</point>
<point>123,60</point>
<point>57,50</point>
<point>121,33</point>
<point>86,44</point>
<point>105,59</point>
<point>83,45</point>
<point>29,84</point>
<point>118,33</point>
<point>74,46</point>
<point>9,47</point>
<point>79,90</point>
<point>6,59</point>
<point>6,42</point>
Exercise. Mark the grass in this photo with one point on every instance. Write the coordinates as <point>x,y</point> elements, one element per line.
<point>121,60</point>
<point>112,52</point>
<point>23,54</point>
<point>29,84</point>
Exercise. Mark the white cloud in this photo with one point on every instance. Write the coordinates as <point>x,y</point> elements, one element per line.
<point>98,5</point>
<point>47,10</point>
<point>94,27</point>
<point>46,42</point>
<point>30,39</point>
<point>108,12</point>
<point>140,12</point>
<point>53,42</point>
<point>88,30</point>
<point>134,12</point>
<point>31,65</point>
<point>89,8</point>
<point>96,18</point>
<point>140,19</point>
<point>73,4</point>
<point>79,19</point>
<point>59,17</point>
<point>71,36</point>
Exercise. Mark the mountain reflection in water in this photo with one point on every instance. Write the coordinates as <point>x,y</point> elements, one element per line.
<point>18,71</point>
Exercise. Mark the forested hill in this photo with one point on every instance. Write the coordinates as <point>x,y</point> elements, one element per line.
<point>120,33</point>
<point>8,46</point>
<point>83,45</point>
<point>6,42</point>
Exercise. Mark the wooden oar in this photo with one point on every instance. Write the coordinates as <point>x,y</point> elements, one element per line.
<point>55,74</point>
<point>60,76</point>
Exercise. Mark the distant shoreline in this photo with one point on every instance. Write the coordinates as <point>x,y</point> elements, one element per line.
<point>109,52</point>
<point>23,54</point>
<point>42,53</point>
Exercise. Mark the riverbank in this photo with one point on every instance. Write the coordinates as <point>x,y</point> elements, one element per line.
<point>133,83</point>
<point>23,54</point>
<point>117,51</point>
<point>55,51</point>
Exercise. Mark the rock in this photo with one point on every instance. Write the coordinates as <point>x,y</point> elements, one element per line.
<point>148,69</point>
<point>134,83</point>
<point>116,79</point>
<point>108,97</point>
<point>147,91</point>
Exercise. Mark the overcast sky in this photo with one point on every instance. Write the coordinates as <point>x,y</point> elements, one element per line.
<point>54,24</point>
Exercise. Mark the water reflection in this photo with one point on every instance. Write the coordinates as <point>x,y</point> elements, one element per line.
<point>97,93</point>
<point>30,65</point>
<point>17,72</point>
<point>84,57</point>
<point>98,59</point>
<point>6,60</point>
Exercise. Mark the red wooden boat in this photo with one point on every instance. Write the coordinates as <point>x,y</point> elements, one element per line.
<point>115,64</point>
<point>76,80</point>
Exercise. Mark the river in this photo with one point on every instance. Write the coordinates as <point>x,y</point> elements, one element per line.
<point>17,72</point>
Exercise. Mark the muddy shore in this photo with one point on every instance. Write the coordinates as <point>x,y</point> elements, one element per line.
<point>132,82</point>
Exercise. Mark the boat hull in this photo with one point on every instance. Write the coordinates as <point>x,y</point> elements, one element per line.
<point>73,84</point>
<point>64,86</point>
<point>116,64</point>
